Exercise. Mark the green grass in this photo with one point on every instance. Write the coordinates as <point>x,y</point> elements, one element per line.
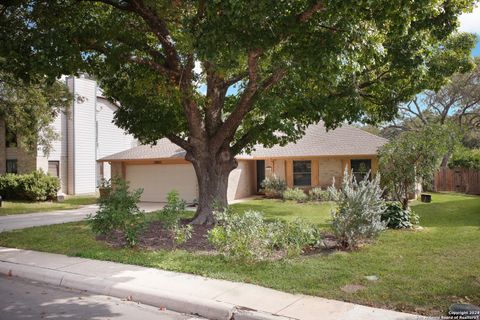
<point>20,207</point>
<point>420,271</point>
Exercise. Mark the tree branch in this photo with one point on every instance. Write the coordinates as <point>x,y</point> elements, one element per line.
<point>307,14</point>
<point>179,142</point>
<point>122,5</point>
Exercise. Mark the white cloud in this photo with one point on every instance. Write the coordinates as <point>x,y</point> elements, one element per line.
<point>198,67</point>
<point>470,22</point>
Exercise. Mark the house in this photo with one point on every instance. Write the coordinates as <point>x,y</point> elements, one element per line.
<point>313,161</point>
<point>86,134</point>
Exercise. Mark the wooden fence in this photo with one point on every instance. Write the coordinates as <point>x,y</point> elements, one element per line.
<point>458,180</point>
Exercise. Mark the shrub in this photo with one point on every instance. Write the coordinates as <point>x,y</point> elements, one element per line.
<point>293,237</point>
<point>248,237</point>
<point>359,211</point>
<point>35,186</point>
<point>397,218</point>
<point>170,216</point>
<point>182,234</point>
<point>172,212</point>
<point>274,187</point>
<point>119,212</point>
<point>295,194</point>
<point>465,158</point>
<point>317,194</point>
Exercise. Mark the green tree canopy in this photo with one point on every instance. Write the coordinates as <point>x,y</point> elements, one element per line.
<point>29,108</point>
<point>294,62</point>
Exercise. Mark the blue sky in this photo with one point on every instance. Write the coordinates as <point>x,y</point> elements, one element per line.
<point>476,51</point>
<point>470,22</point>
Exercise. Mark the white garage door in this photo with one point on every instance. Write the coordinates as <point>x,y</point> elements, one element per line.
<point>159,179</point>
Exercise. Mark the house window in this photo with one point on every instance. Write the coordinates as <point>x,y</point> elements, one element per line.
<point>302,173</point>
<point>11,166</point>
<point>54,168</point>
<point>10,139</point>
<point>360,167</point>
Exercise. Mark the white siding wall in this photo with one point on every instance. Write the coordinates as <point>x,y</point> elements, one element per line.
<point>111,139</point>
<point>84,136</point>
<point>70,141</point>
<point>59,150</point>
<point>59,146</point>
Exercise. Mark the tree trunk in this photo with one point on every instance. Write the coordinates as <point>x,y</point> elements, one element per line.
<point>212,176</point>
<point>405,203</point>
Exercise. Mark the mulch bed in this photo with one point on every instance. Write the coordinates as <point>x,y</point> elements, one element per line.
<point>155,237</point>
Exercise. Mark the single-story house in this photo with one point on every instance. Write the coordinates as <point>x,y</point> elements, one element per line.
<point>313,161</point>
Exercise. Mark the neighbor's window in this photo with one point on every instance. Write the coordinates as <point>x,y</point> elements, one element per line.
<point>302,173</point>
<point>11,166</point>
<point>360,168</point>
<point>54,168</point>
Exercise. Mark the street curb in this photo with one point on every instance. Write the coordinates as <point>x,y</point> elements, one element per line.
<point>210,309</point>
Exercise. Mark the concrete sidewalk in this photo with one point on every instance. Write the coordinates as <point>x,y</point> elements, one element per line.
<point>209,298</point>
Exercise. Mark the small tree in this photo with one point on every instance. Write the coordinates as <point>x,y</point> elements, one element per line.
<point>413,157</point>
<point>29,108</point>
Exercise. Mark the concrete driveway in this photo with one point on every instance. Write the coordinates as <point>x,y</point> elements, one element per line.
<point>21,221</point>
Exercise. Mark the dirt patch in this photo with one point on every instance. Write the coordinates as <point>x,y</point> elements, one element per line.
<point>155,237</point>
<point>352,288</point>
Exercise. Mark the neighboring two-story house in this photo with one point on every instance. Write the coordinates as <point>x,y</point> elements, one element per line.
<point>86,134</point>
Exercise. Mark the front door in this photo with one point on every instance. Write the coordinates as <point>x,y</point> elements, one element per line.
<point>260,173</point>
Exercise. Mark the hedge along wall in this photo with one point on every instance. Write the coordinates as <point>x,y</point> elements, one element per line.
<point>35,186</point>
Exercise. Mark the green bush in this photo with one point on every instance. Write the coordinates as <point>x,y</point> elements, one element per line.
<point>465,158</point>
<point>170,216</point>
<point>295,194</point>
<point>182,234</point>
<point>359,210</point>
<point>294,236</point>
<point>274,187</point>
<point>397,218</point>
<point>119,211</point>
<point>35,186</point>
<point>249,237</point>
<point>317,194</point>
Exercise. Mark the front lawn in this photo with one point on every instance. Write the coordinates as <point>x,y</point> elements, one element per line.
<point>421,272</point>
<point>20,207</point>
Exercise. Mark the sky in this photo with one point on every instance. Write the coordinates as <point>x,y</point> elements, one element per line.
<point>470,22</point>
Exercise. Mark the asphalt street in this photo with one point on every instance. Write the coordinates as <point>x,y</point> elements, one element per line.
<point>22,299</point>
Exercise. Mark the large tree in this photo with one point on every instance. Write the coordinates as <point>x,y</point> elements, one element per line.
<point>457,103</point>
<point>292,63</point>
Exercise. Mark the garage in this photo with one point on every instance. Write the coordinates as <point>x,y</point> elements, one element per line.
<point>159,179</point>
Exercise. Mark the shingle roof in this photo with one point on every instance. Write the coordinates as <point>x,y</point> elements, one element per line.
<point>345,140</point>
<point>162,150</point>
